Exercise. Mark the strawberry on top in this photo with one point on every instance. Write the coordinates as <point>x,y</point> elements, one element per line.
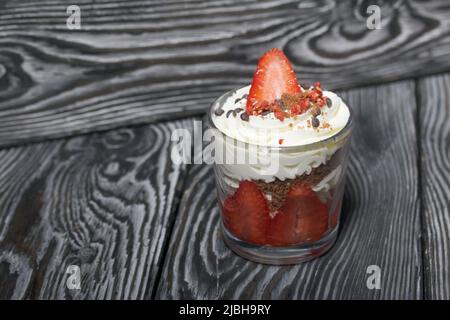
<point>275,89</point>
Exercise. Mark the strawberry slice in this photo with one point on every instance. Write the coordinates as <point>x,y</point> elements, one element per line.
<point>246,213</point>
<point>273,77</point>
<point>302,218</point>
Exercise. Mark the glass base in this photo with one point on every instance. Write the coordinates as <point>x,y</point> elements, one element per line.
<point>280,255</point>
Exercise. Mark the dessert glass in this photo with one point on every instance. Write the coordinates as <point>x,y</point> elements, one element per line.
<point>313,231</point>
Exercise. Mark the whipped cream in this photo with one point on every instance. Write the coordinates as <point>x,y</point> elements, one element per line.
<point>268,130</point>
<point>281,165</point>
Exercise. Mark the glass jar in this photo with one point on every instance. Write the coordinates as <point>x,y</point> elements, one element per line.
<point>279,205</point>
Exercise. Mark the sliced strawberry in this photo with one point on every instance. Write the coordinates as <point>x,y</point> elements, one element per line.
<point>273,77</point>
<point>282,229</point>
<point>246,213</point>
<point>302,218</point>
<point>231,217</point>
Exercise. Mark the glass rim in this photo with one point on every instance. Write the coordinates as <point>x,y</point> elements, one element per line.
<point>341,134</point>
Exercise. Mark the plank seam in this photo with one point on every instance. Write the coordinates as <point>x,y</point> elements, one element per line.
<point>423,235</point>
<point>21,141</point>
<point>180,189</point>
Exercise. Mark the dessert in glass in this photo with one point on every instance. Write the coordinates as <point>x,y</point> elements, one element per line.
<point>280,178</point>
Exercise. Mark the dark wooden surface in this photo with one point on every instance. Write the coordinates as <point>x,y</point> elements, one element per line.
<point>143,61</point>
<point>140,226</point>
<point>434,122</point>
<point>380,223</point>
<point>105,202</point>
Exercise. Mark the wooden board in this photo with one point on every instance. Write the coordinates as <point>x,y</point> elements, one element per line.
<point>380,223</point>
<point>142,61</point>
<point>434,130</point>
<point>104,202</point>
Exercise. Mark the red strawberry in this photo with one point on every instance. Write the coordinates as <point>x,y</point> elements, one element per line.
<point>273,77</point>
<point>246,213</point>
<point>230,210</point>
<point>302,218</point>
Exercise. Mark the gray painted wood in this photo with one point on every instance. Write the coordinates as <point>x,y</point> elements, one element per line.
<point>142,61</point>
<point>105,202</point>
<point>434,123</point>
<point>380,223</point>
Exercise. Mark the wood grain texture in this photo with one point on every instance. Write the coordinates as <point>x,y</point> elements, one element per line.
<point>380,223</point>
<point>141,61</point>
<point>434,127</point>
<point>104,202</point>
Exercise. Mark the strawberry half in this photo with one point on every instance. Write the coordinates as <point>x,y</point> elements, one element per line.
<point>302,218</point>
<point>246,213</point>
<point>273,77</point>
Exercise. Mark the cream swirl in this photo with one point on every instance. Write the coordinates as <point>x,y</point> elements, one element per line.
<point>279,165</point>
<point>268,131</point>
<point>294,131</point>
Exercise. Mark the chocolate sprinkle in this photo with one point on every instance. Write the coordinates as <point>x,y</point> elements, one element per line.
<point>244,116</point>
<point>329,103</point>
<point>265,112</point>
<point>245,96</point>
<point>315,122</point>
<point>237,100</point>
<point>282,104</point>
<point>219,112</point>
<point>315,111</point>
<point>238,109</point>
<point>229,112</point>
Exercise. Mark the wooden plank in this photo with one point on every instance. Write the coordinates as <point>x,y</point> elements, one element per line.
<point>380,223</point>
<point>434,130</point>
<point>104,202</point>
<point>141,61</point>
